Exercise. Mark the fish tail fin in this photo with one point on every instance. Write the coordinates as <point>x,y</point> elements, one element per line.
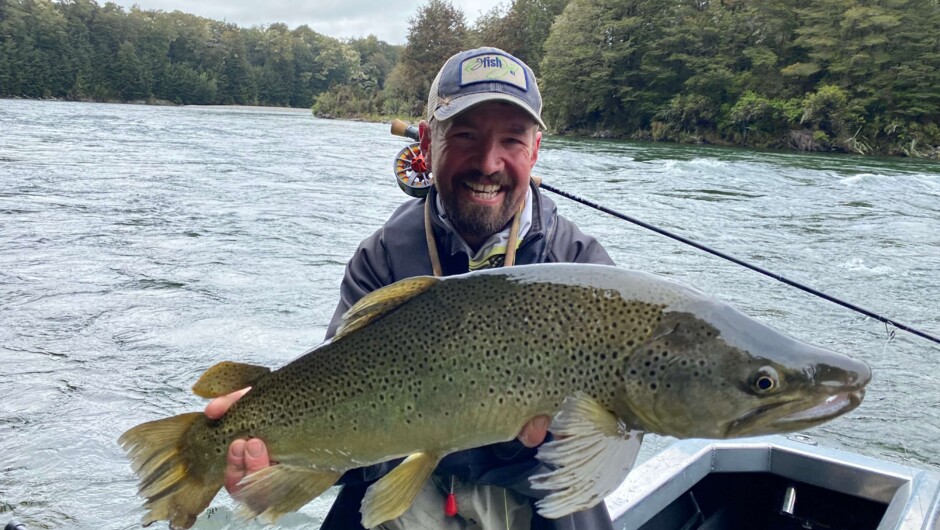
<point>174,489</point>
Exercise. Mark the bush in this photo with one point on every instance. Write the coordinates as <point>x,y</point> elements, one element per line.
<point>688,112</point>
<point>757,113</point>
<point>829,109</point>
<point>347,101</point>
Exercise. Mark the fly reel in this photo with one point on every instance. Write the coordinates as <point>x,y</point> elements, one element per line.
<point>412,172</point>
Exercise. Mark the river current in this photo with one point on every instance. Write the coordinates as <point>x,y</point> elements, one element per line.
<point>140,245</point>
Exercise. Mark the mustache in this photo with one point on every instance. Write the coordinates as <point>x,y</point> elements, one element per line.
<point>498,178</point>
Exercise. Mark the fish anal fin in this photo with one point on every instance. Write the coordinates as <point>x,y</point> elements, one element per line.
<point>393,494</point>
<point>592,454</point>
<point>227,377</point>
<point>381,301</point>
<point>276,490</point>
<point>174,491</point>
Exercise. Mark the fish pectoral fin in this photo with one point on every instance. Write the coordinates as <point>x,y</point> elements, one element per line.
<point>227,377</point>
<point>393,494</point>
<point>592,453</point>
<point>379,302</point>
<point>276,490</point>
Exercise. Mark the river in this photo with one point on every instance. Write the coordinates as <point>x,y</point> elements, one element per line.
<point>139,245</point>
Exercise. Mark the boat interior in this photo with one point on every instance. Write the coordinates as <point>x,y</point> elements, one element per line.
<point>773,483</point>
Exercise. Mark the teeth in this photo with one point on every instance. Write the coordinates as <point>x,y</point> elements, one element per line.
<point>483,188</point>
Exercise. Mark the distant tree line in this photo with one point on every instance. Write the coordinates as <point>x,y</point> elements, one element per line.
<point>860,76</point>
<point>76,49</point>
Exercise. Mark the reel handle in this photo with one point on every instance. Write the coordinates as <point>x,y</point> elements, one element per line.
<point>400,128</point>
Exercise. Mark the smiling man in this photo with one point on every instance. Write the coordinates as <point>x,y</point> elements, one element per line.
<point>481,138</point>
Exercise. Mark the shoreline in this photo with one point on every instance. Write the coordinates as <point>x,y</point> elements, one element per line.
<point>928,153</point>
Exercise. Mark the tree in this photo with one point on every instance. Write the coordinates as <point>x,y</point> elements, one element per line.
<point>591,58</point>
<point>236,83</point>
<point>521,29</point>
<point>129,74</point>
<point>436,33</point>
<point>377,59</point>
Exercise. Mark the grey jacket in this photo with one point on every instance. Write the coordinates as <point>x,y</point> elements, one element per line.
<point>399,250</point>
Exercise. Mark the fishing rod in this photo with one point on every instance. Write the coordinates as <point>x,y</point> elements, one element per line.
<point>414,178</point>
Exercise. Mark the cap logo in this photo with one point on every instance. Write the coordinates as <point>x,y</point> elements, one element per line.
<point>492,67</point>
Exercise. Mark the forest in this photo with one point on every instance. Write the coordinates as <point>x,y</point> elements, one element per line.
<point>859,76</point>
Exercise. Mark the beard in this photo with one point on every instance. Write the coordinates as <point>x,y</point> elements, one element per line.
<point>475,219</point>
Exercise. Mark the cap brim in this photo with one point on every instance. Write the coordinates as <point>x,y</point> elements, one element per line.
<point>461,104</point>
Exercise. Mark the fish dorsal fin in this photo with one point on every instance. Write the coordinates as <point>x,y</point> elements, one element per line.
<point>379,302</point>
<point>593,452</point>
<point>273,491</point>
<point>393,494</point>
<point>227,377</point>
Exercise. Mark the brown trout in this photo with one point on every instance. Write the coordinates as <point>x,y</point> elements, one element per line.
<point>429,366</point>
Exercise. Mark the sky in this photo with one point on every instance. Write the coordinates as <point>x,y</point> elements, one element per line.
<point>386,19</point>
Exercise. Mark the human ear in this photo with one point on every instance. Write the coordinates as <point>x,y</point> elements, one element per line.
<point>535,149</point>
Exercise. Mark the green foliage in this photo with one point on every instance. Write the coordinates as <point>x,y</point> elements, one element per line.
<point>521,28</point>
<point>79,50</point>
<point>830,110</point>
<point>589,62</point>
<point>845,74</point>
<point>437,32</point>
<point>348,101</point>
<point>377,59</point>
<point>850,75</point>
<point>689,113</point>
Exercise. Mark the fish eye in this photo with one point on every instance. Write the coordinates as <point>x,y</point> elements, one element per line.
<point>766,379</point>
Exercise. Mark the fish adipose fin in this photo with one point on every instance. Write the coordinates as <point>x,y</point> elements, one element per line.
<point>227,377</point>
<point>593,452</point>
<point>173,491</point>
<point>377,303</point>
<point>273,491</point>
<point>393,494</point>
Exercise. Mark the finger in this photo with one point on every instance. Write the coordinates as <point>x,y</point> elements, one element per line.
<point>235,466</point>
<point>533,433</point>
<point>256,456</point>
<point>220,405</point>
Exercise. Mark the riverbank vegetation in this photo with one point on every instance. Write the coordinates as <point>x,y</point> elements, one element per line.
<point>858,76</point>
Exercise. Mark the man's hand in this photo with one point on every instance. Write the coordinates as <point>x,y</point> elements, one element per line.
<point>247,456</point>
<point>244,456</point>
<point>533,433</point>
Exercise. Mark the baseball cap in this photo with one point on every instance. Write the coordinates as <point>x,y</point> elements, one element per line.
<point>483,74</point>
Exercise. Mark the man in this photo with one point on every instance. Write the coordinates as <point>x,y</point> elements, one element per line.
<point>481,139</point>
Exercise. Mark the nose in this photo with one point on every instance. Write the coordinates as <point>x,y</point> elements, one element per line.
<point>491,157</point>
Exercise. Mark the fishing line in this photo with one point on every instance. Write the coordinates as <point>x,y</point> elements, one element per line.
<point>400,128</point>
<point>755,268</point>
<point>892,390</point>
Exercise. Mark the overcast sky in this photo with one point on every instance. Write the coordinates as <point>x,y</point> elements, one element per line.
<point>386,19</point>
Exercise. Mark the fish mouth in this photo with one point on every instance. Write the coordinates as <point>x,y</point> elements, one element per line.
<point>832,407</point>
<point>793,415</point>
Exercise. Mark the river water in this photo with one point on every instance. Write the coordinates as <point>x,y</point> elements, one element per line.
<point>140,245</point>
